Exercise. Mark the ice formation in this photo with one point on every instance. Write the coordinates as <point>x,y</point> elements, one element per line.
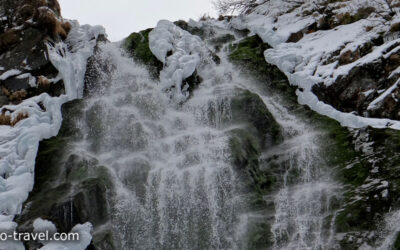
<point>181,53</point>
<point>19,144</point>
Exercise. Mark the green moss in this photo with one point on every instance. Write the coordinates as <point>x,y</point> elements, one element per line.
<point>192,30</point>
<point>101,177</point>
<point>249,49</point>
<point>246,149</point>
<point>248,55</point>
<point>104,240</point>
<point>260,236</point>
<point>218,42</point>
<point>222,39</point>
<point>137,45</point>
<point>248,107</point>
<point>397,242</point>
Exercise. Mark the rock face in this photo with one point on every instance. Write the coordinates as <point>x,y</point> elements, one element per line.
<point>356,91</point>
<point>342,53</point>
<point>73,188</point>
<point>69,189</point>
<point>25,30</point>
<point>365,160</point>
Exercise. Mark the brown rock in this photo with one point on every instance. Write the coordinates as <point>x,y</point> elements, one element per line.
<point>295,37</point>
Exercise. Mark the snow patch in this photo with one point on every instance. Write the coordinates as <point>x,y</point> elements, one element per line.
<point>9,73</point>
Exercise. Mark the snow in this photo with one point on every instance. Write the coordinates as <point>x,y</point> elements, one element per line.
<point>85,238</point>
<point>40,225</point>
<point>187,52</point>
<point>374,103</point>
<point>312,59</point>
<point>19,144</point>
<point>84,232</point>
<point>9,73</point>
<point>32,79</point>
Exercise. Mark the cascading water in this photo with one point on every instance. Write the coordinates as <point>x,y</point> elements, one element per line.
<point>176,186</point>
<point>303,203</point>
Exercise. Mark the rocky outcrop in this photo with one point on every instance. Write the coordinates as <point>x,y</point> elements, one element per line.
<point>25,30</point>
<point>356,91</point>
<point>69,189</point>
<point>341,53</point>
<point>137,45</point>
<point>364,160</point>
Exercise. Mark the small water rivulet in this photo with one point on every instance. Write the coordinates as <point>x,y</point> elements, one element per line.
<point>303,215</point>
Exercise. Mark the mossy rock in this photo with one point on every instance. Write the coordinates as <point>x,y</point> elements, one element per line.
<point>219,41</point>
<point>249,108</point>
<point>103,240</point>
<point>366,213</point>
<point>137,45</point>
<point>250,49</point>
<point>246,150</point>
<point>397,242</point>
<point>248,55</point>
<point>260,131</point>
<point>67,184</point>
<point>192,30</point>
<point>222,39</point>
<point>260,236</point>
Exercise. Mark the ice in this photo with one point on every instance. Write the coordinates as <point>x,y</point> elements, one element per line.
<point>19,144</point>
<point>85,238</point>
<point>186,54</point>
<point>40,225</point>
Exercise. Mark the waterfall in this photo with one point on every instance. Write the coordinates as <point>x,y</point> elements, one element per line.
<point>176,188</point>
<point>303,215</point>
<point>176,185</point>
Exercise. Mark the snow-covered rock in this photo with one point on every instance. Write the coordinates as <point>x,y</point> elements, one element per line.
<point>19,143</point>
<point>334,52</point>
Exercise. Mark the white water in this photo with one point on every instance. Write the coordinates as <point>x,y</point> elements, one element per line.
<point>303,203</point>
<point>390,231</point>
<point>176,188</point>
<point>303,217</point>
<point>171,163</point>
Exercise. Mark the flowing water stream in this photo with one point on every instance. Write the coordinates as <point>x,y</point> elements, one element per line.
<point>176,187</point>
<point>303,203</point>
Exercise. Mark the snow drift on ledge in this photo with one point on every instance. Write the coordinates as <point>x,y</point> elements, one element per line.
<point>303,61</point>
<point>19,144</point>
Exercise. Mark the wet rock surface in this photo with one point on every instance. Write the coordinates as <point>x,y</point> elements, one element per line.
<point>72,189</point>
<point>69,189</point>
